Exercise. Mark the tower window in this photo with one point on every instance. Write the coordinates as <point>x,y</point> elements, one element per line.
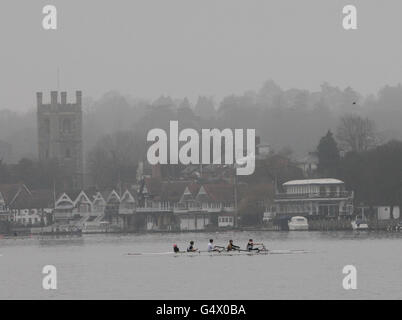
<point>67,125</point>
<point>68,153</point>
<point>47,126</point>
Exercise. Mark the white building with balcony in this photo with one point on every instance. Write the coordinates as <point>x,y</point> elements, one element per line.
<point>324,198</point>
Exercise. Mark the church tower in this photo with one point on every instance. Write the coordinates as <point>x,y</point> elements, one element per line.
<point>60,135</point>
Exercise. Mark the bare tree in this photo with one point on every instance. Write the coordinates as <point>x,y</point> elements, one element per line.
<point>355,133</point>
<point>114,159</point>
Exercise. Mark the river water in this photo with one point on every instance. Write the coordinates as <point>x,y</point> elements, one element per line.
<point>98,267</point>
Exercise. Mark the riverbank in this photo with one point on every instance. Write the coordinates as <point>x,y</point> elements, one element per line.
<point>314,225</point>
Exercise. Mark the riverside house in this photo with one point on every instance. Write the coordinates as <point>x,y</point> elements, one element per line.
<point>157,205</point>
<point>24,207</point>
<point>90,207</point>
<point>185,205</point>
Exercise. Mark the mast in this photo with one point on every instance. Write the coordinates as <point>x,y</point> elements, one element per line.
<point>235,199</point>
<point>54,194</point>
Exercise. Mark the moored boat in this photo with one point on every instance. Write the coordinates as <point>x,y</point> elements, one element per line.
<point>57,230</point>
<point>359,224</point>
<point>99,227</point>
<point>298,223</point>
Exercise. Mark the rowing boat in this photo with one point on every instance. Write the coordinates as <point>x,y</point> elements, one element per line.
<point>217,253</point>
<point>222,253</point>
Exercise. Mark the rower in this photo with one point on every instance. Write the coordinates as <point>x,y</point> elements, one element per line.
<point>176,248</point>
<point>211,246</point>
<point>251,244</point>
<point>191,247</point>
<point>231,246</point>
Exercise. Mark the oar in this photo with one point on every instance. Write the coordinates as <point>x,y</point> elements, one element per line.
<point>195,251</point>
<point>220,247</point>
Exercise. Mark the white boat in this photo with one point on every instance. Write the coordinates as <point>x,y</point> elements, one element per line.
<point>359,224</point>
<point>57,229</point>
<point>298,223</point>
<point>99,227</point>
<point>95,227</point>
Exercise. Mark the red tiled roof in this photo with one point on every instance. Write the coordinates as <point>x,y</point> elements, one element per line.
<point>38,199</point>
<point>172,190</point>
<point>220,192</point>
<point>194,188</point>
<point>10,191</point>
<point>169,190</point>
<point>18,196</point>
<point>153,185</point>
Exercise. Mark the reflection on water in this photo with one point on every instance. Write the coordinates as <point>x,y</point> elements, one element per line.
<point>97,267</point>
<point>61,240</point>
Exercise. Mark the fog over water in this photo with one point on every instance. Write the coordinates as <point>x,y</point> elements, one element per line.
<point>97,267</point>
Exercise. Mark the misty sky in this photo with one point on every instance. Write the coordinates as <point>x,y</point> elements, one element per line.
<point>146,48</point>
